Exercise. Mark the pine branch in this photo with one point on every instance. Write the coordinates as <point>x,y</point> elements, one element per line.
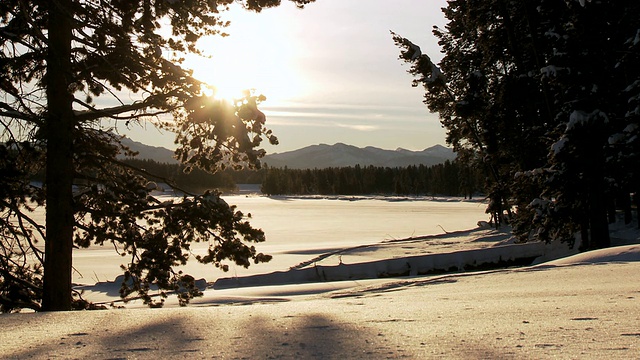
<point>113,112</point>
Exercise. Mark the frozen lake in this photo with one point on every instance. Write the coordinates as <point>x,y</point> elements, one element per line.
<point>298,229</point>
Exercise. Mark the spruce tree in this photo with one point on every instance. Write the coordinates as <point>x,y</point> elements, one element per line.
<point>541,92</point>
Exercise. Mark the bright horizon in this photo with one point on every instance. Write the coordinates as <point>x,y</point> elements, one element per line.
<point>330,73</point>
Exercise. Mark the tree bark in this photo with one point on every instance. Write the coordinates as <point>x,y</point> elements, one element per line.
<point>598,221</point>
<point>636,201</point>
<point>59,164</point>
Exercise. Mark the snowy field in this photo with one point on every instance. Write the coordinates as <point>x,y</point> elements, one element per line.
<point>575,307</point>
<point>298,229</point>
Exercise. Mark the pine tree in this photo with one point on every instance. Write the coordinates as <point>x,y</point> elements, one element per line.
<point>57,58</point>
<point>541,91</point>
<point>478,88</point>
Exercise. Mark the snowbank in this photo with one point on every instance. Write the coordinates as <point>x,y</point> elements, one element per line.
<point>464,260</point>
<point>626,253</point>
<point>567,309</point>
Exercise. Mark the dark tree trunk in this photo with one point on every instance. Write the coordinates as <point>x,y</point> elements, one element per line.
<point>624,199</point>
<point>584,236</point>
<point>59,164</point>
<point>636,201</point>
<point>598,221</point>
<point>611,210</point>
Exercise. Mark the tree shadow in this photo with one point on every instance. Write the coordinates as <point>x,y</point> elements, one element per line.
<point>111,334</point>
<point>304,337</point>
<point>197,333</point>
<point>238,332</point>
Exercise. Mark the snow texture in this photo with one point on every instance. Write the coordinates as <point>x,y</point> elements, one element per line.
<point>436,74</point>
<point>581,306</point>
<point>577,118</point>
<point>583,2</point>
<point>557,147</point>
<point>417,52</point>
<point>550,70</point>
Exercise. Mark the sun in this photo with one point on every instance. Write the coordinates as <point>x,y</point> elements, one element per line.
<point>255,56</point>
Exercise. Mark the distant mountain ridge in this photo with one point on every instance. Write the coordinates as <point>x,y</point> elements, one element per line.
<point>148,152</point>
<point>323,156</point>
<point>342,155</point>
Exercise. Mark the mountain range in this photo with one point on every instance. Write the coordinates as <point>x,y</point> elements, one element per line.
<point>148,152</point>
<point>342,155</point>
<point>323,156</point>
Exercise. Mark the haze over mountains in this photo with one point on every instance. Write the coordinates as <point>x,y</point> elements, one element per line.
<point>148,152</point>
<point>342,155</point>
<point>323,156</point>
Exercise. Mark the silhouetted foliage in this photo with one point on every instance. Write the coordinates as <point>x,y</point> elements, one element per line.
<point>543,94</point>
<point>56,58</point>
<point>448,179</point>
<point>196,181</point>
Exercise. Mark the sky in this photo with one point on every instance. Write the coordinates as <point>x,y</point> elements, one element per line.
<point>330,72</point>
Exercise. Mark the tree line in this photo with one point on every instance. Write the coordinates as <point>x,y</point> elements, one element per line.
<point>196,181</point>
<point>451,178</point>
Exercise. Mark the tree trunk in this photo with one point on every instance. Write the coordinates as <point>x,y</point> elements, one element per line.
<point>598,221</point>
<point>625,203</point>
<point>611,209</point>
<point>636,201</point>
<point>59,164</point>
<point>584,236</point>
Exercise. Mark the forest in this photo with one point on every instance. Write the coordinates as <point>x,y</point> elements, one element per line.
<point>195,181</point>
<point>451,178</point>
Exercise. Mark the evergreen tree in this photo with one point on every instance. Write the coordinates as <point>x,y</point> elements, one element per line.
<point>589,68</point>
<point>539,91</point>
<point>56,56</point>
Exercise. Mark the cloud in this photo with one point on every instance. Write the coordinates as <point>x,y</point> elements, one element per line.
<point>359,127</point>
<point>302,114</point>
<point>321,124</point>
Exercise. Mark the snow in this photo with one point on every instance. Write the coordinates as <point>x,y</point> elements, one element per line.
<point>616,138</point>
<point>581,306</point>
<point>616,254</point>
<point>417,52</point>
<point>557,147</point>
<point>583,2</point>
<point>550,70</point>
<point>436,74</point>
<point>577,118</point>
<point>553,34</point>
<point>299,227</point>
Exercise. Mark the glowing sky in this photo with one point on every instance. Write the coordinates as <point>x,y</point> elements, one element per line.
<point>330,72</point>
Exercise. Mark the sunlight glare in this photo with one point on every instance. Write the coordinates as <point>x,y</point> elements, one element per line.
<point>257,55</point>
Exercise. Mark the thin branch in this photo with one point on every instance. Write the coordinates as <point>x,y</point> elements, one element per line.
<point>37,252</point>
<point>113,112</point>
<point>144,172</point>
<point>15,114</point>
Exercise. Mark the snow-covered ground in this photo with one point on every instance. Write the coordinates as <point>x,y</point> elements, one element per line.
<point>581,306</point>
<point>301,228</point>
